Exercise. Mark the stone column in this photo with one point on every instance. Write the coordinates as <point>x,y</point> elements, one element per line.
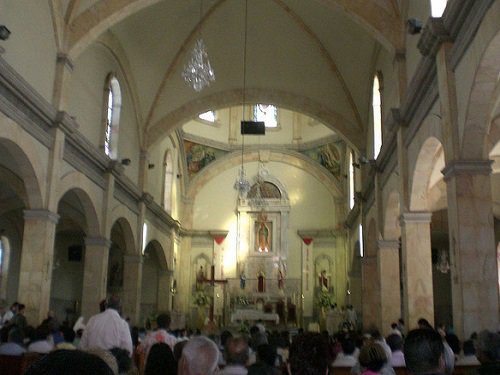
<point>132,281</point>
<point>472,246</point>
<point>418,300</point>
<point>164,283</point>
<point>371,292</point>
<point>36,263</point>
<point>64,69</point>
<point>94,274</point>
<point>390,296</point>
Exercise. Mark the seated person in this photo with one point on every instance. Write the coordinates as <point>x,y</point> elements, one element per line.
<point>13,343</point>
<point>68,337</point>
<point>346,357</point>
<point>372,358</point>
<point>40,343</point>
<point>69,362</point>
<point>395,342</point>
<point>468,357</point>
<point>309,354</point>
<point>424,352</point>
<point>488,353</point>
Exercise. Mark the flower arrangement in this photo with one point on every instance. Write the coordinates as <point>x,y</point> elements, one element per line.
<point>324,299</point>
<point>200,298</point>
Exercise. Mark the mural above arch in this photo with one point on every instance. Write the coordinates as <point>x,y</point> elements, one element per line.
<point>198,156</point>
<point>330,156</point>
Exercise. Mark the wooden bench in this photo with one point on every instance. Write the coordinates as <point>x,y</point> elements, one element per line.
<point>17,364</point>
<point>459,370</point>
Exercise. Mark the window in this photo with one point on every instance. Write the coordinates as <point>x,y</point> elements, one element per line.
<point>208,116</point>
<point>1,256</point>
<point>113,107</point>
<point>168,172</point>
<point>361,245</point>
<point>437,7</point>
<point>267,113</point>
<point>351,179</point>
<point>377,116</point>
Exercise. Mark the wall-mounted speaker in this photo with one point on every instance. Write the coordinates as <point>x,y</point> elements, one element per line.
<point>253,128</point>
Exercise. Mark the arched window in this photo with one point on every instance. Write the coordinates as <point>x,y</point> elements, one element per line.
<point>437,7</point>
<point>168,172</point>
<point>4,265</point>
<point>267,113</point>
<point>377,115</point>
<point>113,108</point>
<point>208,116</point>
<point>361,244</point>
<point>351,179</point>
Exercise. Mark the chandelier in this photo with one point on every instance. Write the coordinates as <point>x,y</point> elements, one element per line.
<point>198,72</point>
<point>242,185</point>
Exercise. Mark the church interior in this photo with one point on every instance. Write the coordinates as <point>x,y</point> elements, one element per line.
<point>239,160</point>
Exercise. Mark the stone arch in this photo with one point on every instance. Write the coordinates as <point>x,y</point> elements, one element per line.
<point>482,99</point>
<point>234,159</point>
<point>392,228</point>
<point>23,180</point>
<point>86,205</point>
<point>123,228</point>
<point>227,98</point>
<point>155,247</point>
<point>422,171</point>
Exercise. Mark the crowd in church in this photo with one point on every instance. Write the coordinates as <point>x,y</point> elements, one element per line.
<point>107,344</point>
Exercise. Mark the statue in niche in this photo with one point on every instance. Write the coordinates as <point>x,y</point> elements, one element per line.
<point>281,280</point>
<point>243,280</point>
<point>263,234</point>
<point>261,282</point>
<point>323,281</point>
<point>200,278</point>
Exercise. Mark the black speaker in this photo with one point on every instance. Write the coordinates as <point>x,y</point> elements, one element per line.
<point>75,253</point>
<point>253,128</point>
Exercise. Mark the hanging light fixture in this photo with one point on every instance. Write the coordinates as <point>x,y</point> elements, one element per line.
<point>242,184</point>
<point>198,72</point>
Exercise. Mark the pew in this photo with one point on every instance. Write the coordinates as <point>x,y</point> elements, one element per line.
<point>459,370</point>
<point>17,364</point>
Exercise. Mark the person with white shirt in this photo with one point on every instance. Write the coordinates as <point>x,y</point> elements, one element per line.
<point>107,330</point>
<point>346,357</point>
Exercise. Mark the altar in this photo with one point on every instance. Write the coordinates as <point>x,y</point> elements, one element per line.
<point>253,315</point>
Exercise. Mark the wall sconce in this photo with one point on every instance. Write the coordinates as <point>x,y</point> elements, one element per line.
<point>4,32</point>
<point>151,166</point>
<point>414,26</point>
<point>126,161</point>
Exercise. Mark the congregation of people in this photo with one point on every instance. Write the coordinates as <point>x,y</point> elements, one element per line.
<point>106,344</point>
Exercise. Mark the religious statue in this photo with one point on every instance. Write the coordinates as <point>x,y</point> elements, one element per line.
<point>281,280</point>
<point>243,280</point>
<point>263,234</point>
<point>200,278</point>
<point>261,282</point>
<point>323,281</point>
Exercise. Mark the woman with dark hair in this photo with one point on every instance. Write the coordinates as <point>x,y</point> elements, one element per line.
<point>372,358</point>
<point>160,360</point>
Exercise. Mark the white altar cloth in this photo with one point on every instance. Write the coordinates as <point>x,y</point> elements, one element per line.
<point>253,315</point>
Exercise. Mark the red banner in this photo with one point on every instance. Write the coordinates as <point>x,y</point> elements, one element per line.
<point>219,239</point>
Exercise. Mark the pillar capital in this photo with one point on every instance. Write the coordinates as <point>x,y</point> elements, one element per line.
<point>388,244</point>
<point>467,168</point>
<point>45,215</point>
<point>415,217</point>
<point>97,241</point>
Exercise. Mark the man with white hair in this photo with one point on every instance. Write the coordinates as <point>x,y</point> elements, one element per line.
<point>199,357</point>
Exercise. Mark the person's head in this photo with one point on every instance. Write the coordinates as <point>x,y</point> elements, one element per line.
<point>488,347</point>
<point>68,334</point>
<point>199,357</point>
<point>372,356</point>
<point>236,351</point>
<point>64,362</point>
<point>424,324</point>
<point>224,336</point>
<point>102,305</point>
<point>267,353</point>
<point>14,306</point>
<point>309,354</point>
<point>468,347</point>
<point>15,335</point>
<point>394,325</point>
<point>424,351</point>
<point>178,348</point>
<point>160,360</point>
<point>114,303</point>
<point>163,320</point>
<point>106,356</point>
<point>395,342</point>
<point>41,332</point>
<point>20,308</point>
<point>348,345</point>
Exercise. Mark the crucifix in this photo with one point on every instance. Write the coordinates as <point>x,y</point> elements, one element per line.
<point>212,281</point>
